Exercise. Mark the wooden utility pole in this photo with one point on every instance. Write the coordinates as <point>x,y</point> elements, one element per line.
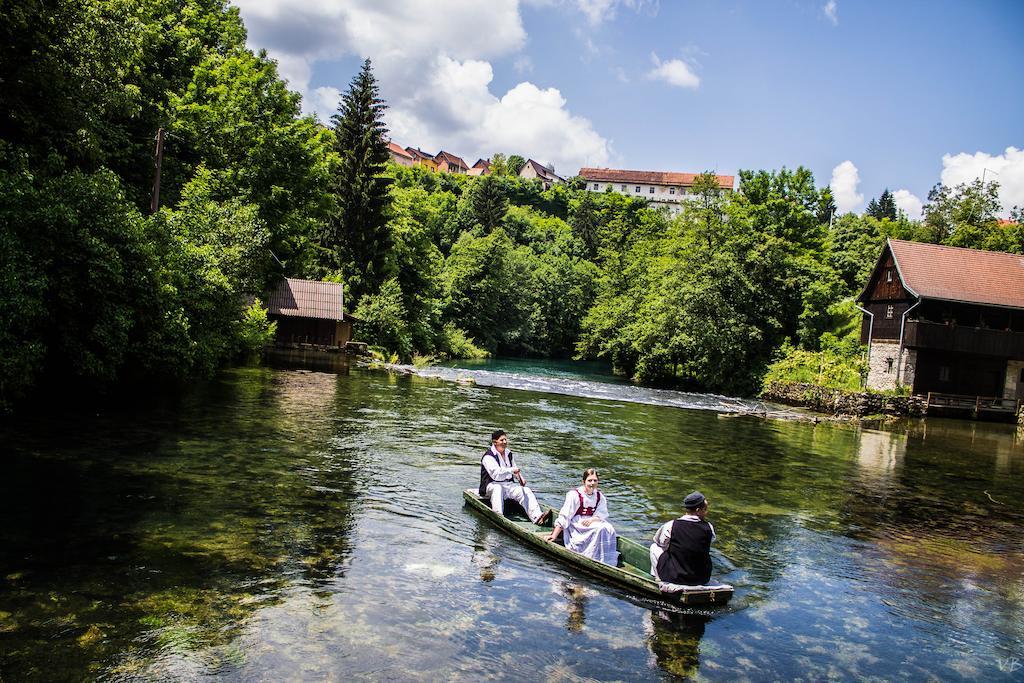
<point>155,204</point>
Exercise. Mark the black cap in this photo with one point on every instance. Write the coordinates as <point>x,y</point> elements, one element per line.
<point>694,500</point>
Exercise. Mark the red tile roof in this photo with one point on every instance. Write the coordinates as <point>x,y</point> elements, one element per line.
<point>933,271</point>
<point>614,175</point>
<point>307,299</point>
<point>395,149</point>
<point>483,163</point>
<point>417,153</point>
<point>445,157</point>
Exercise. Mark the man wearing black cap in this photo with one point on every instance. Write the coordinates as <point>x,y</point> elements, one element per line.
<point>681,552</point>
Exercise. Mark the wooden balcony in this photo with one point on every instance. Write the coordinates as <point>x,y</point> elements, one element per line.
<point>973,406</point>
<point>961,339</point>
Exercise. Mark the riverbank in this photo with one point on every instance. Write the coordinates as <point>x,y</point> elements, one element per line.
<point>839,402</point>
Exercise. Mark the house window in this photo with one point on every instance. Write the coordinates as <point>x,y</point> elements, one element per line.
<point>888,275</point>
<point>671,190</point>
<point>623,188</point>
<point>650,190</point>
<point>943,373</point>
<point>888,365</point>
<point>637,188</point>
<point>889,312</point>
<point>595,186</point>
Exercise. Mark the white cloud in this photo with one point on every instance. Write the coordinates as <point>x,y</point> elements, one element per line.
<point>460,114</point>
<point>674,72</point>
<point>431,60</point>
<point>599,11</point>
<point>522,64</point>
<point>845,179</point>
<point>1007,169</point>
<point>831,11</point>
<point>908,203</point>
<point>620,74</point>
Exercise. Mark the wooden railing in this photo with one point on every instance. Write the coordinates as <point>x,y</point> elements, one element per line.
<point>974,404</point>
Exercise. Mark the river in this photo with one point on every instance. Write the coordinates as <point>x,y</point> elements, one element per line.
<point>284,524</point>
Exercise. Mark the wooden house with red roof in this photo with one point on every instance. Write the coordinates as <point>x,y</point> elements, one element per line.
<point>310,312</point>
<point>946,320</point>
<point>662,188</point>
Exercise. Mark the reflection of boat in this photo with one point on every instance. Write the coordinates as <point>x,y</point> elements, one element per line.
<point>634,567</point>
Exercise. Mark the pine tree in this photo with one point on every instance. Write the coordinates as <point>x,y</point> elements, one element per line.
<point>488,202</point>
<point>873,209</point>
<point>358,237</point>
<point>887,205</point>
<point>585,222</point>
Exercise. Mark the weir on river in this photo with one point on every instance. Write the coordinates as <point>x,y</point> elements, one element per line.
<point>285,524</point>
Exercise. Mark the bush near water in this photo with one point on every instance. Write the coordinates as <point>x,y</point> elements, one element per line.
<point>95,290</point>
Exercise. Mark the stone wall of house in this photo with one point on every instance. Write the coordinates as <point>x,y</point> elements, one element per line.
<point>1013,374</point>
<point>839,402</point>
<point>883,364</point>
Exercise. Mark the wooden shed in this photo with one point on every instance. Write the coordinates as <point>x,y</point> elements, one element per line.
<point>310,312</point>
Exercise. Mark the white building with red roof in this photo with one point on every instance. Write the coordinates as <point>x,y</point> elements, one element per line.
<point>661,188</point>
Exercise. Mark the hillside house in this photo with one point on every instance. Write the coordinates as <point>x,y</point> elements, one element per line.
<point>481,167</point>
<point>945,320</point>
<point>449,163</point>
<point>399,155</point>
<point>421,158</point>
<point>662,188</point>
<point>309,312</point>
<point>545,173</point>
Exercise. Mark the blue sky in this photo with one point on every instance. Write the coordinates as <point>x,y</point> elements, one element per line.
<point>868,95</point>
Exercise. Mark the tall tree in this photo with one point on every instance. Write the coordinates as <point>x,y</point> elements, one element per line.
<point>358,237</point>
<point>488,202</point>
<point>515,164</point>
<point>883,207</point>
<point>586,223</point>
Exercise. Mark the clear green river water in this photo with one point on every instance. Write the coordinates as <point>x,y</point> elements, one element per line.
<point>296,525</point>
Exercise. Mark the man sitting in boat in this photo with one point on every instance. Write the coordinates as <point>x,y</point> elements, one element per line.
<point>681,552</point>
<point>498,474</point>
<point>584,520</point>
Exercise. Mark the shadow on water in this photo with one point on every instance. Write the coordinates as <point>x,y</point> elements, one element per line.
<point>136,542</point>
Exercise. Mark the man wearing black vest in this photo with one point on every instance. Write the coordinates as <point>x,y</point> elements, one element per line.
<point>498,479</point>
<point>681,552</point>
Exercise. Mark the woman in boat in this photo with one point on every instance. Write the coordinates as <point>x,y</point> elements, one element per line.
<point>584,521</point>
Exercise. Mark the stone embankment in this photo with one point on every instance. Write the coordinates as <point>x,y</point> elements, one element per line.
<point>839,402</point>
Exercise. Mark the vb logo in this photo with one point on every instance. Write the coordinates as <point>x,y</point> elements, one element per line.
<point>1010,664</point>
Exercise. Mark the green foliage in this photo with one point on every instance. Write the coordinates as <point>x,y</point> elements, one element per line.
<point>488,202</point>
<point>382,320</point>
<point>255,330</point>
<point>822,368</point>
<point>514,164</point>
<point>456,344</point>
<point>963,216</point>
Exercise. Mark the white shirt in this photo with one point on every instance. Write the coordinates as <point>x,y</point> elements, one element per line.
<point>499,468</point>
<point>665,532</point>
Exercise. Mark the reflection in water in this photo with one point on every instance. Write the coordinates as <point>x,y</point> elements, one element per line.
<point>674,639</point>
<point>576,606</point>
<point>295,525</point>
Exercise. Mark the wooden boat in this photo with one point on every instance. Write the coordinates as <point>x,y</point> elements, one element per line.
<point>632,572</point>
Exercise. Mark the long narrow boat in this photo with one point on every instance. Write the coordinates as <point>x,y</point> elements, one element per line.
<point>633,571</point>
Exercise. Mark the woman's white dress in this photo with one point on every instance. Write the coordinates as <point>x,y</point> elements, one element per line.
<point>596,541</point>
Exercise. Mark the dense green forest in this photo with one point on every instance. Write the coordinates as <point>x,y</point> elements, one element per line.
<point>97,290</point>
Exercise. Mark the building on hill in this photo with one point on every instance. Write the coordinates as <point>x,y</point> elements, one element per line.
<point>545,173</point>
<point>399,155</point>
<point>946,320</point>
<point>310,312</point>
<point>662,188</point>
<point>449,163</point>
<point>481,167</point>
<point>421,158</point>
